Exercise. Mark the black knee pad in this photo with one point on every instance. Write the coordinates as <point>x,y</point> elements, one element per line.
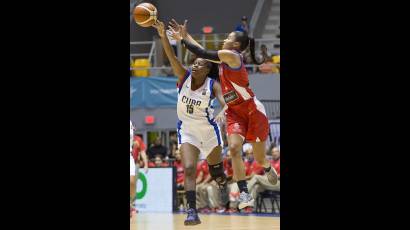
<point>217,173</point>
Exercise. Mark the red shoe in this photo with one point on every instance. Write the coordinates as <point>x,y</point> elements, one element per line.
<point>248,210</point>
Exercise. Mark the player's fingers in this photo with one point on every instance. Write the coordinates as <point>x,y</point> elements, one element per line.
<point>174,22</point>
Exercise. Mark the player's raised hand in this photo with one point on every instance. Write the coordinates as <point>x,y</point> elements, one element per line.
<point>178,28</point>
<point>174,34</point>
<point>160,28</point>
<point>174,25</point>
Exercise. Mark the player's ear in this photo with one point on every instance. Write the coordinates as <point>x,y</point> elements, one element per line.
<point>236,45</point>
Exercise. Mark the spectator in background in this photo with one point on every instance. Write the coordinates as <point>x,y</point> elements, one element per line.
<point>266,58</point>
<point>264,55</point>
<point>247,59</point>
<point>244,26</point>
<point>259,183</point>
<point>138,151</point>
<point>251,166</point>
<point>158,162</point>
<point>180,170</point>
<point>276,61</point>
<point>167,70</point>
<point>252,169</point>
<point>173,149</point>
<point>157,149</point>
<point>202,172</point>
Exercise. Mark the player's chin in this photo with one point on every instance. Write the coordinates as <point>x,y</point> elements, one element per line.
<point>195,74</point>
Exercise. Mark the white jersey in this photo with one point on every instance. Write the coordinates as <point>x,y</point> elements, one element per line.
<point>196,119</point>
<point>194,107</point>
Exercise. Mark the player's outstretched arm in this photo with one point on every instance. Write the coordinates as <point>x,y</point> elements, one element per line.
<point>180,33</point>
<point>177,67</point>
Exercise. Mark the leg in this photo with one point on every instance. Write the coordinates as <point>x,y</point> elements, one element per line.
<point>189,156</point>
<point>215,165</point>
<point>259,152</point>
<point>235,146</point>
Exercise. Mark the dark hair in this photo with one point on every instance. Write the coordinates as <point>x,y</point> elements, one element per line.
<point>245,40</point>
<point>213,70</point>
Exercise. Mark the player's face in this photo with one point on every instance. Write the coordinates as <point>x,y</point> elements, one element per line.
<point>200,68</point>
<point>230,42</point>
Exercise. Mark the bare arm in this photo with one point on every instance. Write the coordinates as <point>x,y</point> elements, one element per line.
<point>177,67</point>
<point>181,29</point>
<point>220,118</point>
<point>145,159</point>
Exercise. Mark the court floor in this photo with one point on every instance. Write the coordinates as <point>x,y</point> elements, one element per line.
<point>175,221</point>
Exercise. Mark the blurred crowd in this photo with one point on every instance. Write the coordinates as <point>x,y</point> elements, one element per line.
<point>208,194</point>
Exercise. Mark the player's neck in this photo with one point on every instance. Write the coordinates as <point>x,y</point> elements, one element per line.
<point>196,84</point>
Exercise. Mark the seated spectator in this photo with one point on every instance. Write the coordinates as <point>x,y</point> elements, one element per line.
<point>139,154</point>
<point>157,149</point>
<point>247,59</point>
<point>173,146</point>
<point>180,171</point>
<point>158,162</point>
<point>167,70</point>
<point>202,172</point>
<point>264,56</point>
<point>260,183</point>
<point>267,65</point>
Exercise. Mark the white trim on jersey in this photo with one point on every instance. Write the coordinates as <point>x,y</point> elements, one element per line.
<point>242,91</point>
<point>259,106</point>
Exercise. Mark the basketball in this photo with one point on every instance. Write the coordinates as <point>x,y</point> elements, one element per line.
<point>145,14</point>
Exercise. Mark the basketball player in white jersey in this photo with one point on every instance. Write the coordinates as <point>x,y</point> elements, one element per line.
<point>198,132</point>
<point>132,171</point>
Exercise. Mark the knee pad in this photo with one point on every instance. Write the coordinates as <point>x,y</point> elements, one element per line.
<point>217,173</point>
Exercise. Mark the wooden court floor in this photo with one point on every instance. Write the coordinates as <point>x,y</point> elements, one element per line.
<point>175,221</point>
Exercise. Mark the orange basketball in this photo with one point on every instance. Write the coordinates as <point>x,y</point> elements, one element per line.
<point>145,14</point>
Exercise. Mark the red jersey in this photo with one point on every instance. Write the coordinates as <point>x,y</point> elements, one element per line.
<point>180,172</point>
<point>228,168</point>
<point>235,84</point>
<point>253,167</point>
<point>202,166</point>
<point>276,165</point>
<point>245,115</point>
<point>137,148</point>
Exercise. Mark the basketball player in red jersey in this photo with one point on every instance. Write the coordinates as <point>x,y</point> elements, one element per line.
<point>245,115</point>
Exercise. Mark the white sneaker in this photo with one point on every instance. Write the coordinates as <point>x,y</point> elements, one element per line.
<point>245,200</point>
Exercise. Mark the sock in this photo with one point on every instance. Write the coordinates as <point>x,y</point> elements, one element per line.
<point>242,186</point>
<point>191,199</point>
